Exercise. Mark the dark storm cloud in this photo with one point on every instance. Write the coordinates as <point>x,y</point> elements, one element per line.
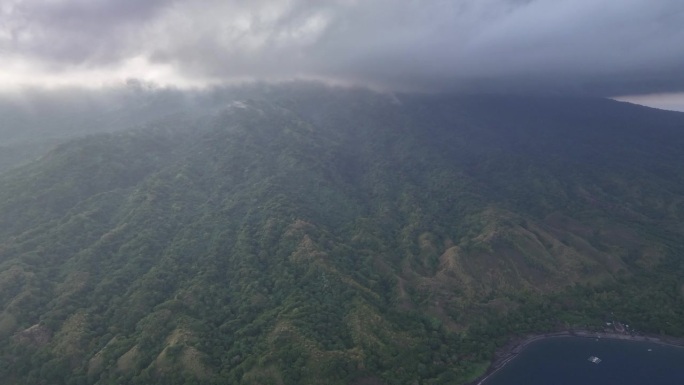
<point>75,31</point>
<point>603,47</point>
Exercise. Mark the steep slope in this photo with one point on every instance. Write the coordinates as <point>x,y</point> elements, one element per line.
<point>313,235</point>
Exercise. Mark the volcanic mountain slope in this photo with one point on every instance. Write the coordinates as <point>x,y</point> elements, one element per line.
<point>307,235</point>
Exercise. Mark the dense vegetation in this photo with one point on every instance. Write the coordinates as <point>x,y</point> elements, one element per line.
<point>305,235</point>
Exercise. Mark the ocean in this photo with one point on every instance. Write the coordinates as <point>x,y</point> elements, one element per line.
<point>565,361</point>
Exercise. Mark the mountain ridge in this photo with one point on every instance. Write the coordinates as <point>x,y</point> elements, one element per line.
<point>314,235</point>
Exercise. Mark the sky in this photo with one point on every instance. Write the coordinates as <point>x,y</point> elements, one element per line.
<point>594,47</point>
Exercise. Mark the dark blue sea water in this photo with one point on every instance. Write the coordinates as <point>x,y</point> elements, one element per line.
<point>564,361</point>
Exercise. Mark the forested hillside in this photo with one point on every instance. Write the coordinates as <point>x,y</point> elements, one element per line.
<point>308,235</point>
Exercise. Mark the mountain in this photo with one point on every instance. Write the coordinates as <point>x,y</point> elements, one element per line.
<point>299,234</point>
<point>34,122</point>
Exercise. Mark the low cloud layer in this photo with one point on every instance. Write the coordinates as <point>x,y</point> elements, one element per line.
<point>598,47</point>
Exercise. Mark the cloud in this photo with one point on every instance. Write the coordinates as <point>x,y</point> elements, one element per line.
<point>672,101</point>
<point>601,47</point>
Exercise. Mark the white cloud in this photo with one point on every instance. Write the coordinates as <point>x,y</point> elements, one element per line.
<point>671,101</point>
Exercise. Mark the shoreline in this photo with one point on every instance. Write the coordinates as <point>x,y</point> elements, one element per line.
<point>510,351</point>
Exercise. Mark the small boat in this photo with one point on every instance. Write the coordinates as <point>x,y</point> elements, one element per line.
<point>594,359</point>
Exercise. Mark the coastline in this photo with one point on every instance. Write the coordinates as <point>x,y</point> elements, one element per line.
<point>510,351</point>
